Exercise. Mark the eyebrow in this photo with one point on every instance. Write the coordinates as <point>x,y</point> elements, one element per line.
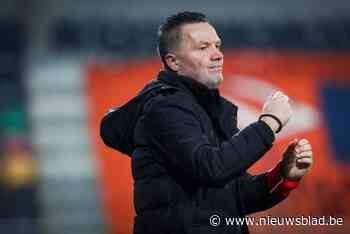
<point>205,42</point>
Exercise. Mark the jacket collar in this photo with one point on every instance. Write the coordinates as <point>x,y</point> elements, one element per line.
<point>222,112</point>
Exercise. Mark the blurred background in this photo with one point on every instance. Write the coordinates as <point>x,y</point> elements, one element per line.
<point>64,63</point>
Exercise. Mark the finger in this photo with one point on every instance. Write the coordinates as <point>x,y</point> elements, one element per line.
<point>303,142</point>
<point>301,148</point>
<point>276,94</point>
<point>306,147</point>
<point>281,97</point>
<point>305,161</point>
<point>304,154</point>
<point>284,97</point>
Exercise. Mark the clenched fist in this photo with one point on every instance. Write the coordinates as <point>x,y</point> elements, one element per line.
<point>278,106</point>
<point>297,159</point>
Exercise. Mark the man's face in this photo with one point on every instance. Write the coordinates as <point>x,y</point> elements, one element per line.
<point>198,55</point>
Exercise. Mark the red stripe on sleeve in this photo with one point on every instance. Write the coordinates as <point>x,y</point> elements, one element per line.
<point>279,184</point>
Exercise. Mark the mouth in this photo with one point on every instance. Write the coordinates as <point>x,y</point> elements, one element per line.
<point>215,68</point>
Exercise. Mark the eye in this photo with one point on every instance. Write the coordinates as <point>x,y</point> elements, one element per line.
<point>203,47</point>
<point>218,46</point>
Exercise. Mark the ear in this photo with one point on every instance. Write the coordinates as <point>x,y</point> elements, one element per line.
<point>171,61</point>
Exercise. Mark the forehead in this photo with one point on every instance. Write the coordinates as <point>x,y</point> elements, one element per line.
<point>199,32</point>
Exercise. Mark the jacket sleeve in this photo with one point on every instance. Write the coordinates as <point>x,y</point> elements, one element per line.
<point>261,192</point>
<point>257,194</point>
<point>174,130</point>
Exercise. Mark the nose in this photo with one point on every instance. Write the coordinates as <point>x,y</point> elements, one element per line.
<point>217,54</point>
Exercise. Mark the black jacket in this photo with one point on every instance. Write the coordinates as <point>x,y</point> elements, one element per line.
<point>191,159</point>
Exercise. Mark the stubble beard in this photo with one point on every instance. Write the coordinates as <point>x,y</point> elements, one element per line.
<point>213,82</point>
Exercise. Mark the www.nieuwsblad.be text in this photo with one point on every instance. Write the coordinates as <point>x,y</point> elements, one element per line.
<point>215,220</point>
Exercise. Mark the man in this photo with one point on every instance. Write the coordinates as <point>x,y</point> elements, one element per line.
<point>190,160</point>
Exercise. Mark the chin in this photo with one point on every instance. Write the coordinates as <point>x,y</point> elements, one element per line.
<point>214,83</point>
<point>218,80</point>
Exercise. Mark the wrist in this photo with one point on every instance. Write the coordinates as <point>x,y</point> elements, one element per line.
<point>278,183</point>
<point>272,123</point>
